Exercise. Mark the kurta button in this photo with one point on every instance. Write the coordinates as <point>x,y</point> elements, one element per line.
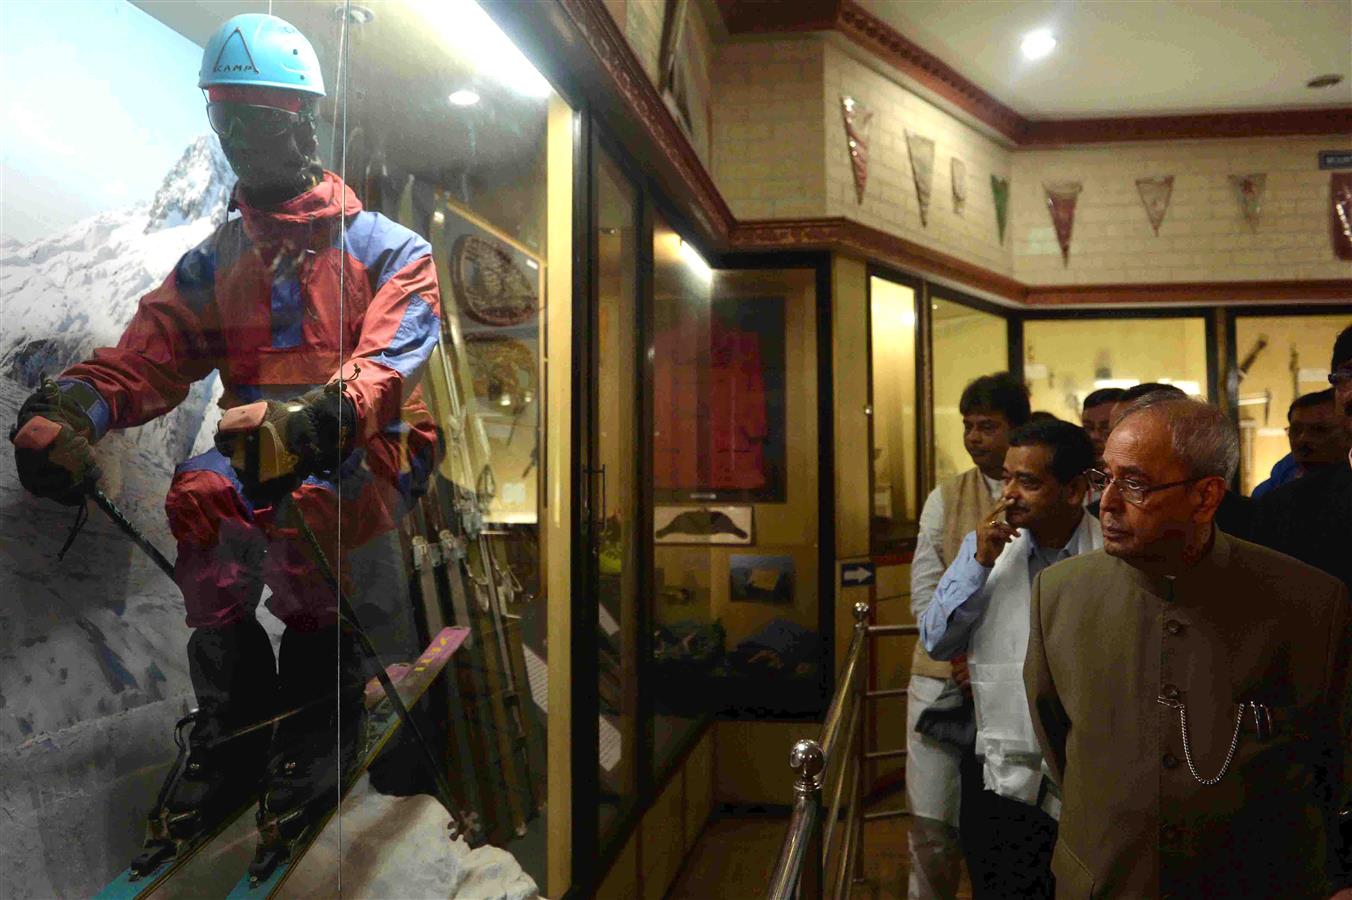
<point>1173,626</point>
<point>1170,761</point>
<point>1170,692</point>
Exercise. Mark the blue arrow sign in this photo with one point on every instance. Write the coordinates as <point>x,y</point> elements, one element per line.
<point>858,574</point>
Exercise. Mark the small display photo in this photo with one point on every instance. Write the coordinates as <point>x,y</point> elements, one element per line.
<point>761,579</point>
<point>702,525</point>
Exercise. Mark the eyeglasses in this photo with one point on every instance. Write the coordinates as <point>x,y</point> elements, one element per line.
<point>263,121</point>
<point>1340,377</point>
<point>1132,492</point>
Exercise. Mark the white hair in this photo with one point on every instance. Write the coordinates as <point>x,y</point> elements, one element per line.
<point>1200,434</point>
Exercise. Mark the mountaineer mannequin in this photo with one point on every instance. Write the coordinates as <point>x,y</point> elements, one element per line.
<point>319,317</point>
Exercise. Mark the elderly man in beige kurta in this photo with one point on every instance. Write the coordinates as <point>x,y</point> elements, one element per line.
<point>1189,689</point>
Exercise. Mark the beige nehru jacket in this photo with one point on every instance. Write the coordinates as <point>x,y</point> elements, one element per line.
<point>1245,624</point>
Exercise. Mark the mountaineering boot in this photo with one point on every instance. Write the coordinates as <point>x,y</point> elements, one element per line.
<point>234,676</point>
<point>313,750</point>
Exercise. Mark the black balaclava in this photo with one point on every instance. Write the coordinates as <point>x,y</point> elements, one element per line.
<point>275,168</point>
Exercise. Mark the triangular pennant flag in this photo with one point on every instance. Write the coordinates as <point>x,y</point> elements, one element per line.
<point>922,166</point>
<point>959,171</point>
<point>1155,193</point>
<point>1340,191</point>
<point>858,123</point>
<point>1000,191</point>
<point>1249,191</point>
<point>1061,197</point>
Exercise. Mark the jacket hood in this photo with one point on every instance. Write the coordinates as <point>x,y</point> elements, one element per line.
<point>319,207</point>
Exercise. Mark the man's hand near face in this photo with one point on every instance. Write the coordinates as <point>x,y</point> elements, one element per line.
<point>993,534</point>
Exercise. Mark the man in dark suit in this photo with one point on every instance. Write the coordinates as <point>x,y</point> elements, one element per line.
<point>1311,518</point>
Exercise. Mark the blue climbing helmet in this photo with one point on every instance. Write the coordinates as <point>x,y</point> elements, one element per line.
<point>258,50</point>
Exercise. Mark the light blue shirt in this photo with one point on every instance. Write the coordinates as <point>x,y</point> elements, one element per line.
<point>961,598</point>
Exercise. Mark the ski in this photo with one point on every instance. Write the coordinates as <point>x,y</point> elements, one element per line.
<point>273,864</point>
<point>129,884</point>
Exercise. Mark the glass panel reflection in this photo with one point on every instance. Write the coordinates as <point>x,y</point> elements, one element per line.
<point>617,451</point>
<point>895,509</point>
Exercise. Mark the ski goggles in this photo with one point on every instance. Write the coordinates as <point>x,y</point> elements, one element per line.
<point>262,121</point>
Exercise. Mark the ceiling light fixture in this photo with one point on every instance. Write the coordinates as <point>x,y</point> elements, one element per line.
<point>1037,44</point>
<point>464,97</point>
<point>1323,81</point>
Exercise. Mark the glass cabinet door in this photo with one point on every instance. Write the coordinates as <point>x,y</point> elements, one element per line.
<point>614,481</point>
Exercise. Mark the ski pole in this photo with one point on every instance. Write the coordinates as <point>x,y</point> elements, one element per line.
<point>350,615</point>
<point>101,499</point>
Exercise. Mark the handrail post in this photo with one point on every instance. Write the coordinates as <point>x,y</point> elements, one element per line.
<point>809,762</point>
<point>799,869</point>
<point>861,614</point>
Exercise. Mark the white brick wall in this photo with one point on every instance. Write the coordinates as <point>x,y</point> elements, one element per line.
<point>890,199</point>
<point>768,141</point>
<point>778,150</point>
<point>1204,236</point>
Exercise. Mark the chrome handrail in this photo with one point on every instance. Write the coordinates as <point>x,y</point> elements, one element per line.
<point>808,840</point>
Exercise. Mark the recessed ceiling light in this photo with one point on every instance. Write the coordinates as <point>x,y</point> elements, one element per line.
<point>464,97</point>
<point>1323,81</point>
<point>1037,44</point>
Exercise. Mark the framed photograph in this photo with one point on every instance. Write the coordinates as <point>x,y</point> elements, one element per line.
<point>675,65</point>
<point>703,525</point>
<point>761,579</point>
<point>719,405</point>
<point>491,297</point>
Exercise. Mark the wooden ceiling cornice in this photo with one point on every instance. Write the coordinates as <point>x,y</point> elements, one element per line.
<point>943,81</point>
<point>577,42</point>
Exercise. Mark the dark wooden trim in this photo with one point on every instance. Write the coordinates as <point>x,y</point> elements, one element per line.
<point>1266,123</point>
<point>847,236</point>
<point>741,17</point>
<point>1203,293</point>
<point>932,73</point>
<point>639,100</point>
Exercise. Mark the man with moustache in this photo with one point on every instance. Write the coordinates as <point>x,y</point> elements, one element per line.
<point>1317,438</point>
<point>981,608</point>
<point>941,767</point>
<point>1189,689</point>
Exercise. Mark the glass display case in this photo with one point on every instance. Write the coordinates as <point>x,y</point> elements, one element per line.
<point>736,615</point>
<point>1065,359</point>
<point>344,247</point>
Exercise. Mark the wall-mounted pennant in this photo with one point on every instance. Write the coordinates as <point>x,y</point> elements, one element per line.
<point>922,166</point>
<point>1155,193</point>
<point>858,124</point>
<point>959,172</point>
<point>1061,197</point>
<point>1249,192</point>
<point>1340,192</point>
<point>1000,192</point>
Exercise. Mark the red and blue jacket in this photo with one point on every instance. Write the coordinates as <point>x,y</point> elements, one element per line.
<point>277,299</point>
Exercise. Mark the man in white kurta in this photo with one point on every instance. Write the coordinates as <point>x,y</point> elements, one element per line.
<point>981,608</point>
